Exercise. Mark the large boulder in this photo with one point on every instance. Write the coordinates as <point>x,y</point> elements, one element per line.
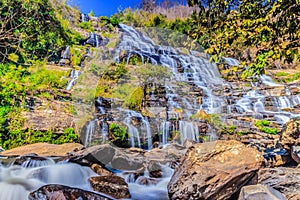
<point>100,154</point>
<point>291,134</point>
<point>285,180</point>
<point>44,149</point>
<point>214,170</point>
<point>255,192</point>
<point>61,192</point>
<point>114,186</point>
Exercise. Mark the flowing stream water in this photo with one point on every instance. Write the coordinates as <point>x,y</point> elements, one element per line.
<point>16,182</point>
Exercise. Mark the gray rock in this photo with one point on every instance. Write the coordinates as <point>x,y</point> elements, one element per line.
<point>295,152</point>
<point>100,154</point>
<point>285,180</point>
<point>261,192</point>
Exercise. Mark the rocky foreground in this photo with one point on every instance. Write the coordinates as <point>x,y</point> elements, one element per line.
<point>223,169</point>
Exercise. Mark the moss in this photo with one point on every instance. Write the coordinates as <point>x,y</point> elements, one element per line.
<point>134,101</point>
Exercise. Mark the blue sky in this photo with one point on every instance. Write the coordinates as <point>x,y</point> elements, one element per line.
<point>103,7</point>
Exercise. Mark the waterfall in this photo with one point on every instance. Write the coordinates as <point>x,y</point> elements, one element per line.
<point>284,102</point>
<point>94,40</point>
<point>141,129</point>
<point>197,71</point>
<point>74,76</point>
<point>104,131</point>
<point>154,191</point>
<point>32,162</point>
<point>90,131</point>
<point>188,130</point>
<point>231,61</point>
<point>84,17</point>
<point>99,105</point>
<point>165,132</point>
<point>66,54</point>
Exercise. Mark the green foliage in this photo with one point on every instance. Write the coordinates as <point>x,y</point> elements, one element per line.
<point>243,132</point>
<point>77,53</point>
<point>118,134</point>
<point>286,77</point>
<point>17,83</point>
<point>263,125</point>
<point>114,20</point>
<point>214,120</point>
<point>86,26</point>
<point>135,99</point>
<point>114,71</point>
<point>148,73</point>
<point>31,30</point>
<point>15,134</point>
<point>229,130</point>
<point>269,130</point>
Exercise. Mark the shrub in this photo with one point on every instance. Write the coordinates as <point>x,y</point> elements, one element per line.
<point>262,123</point>
<point>118,134</point>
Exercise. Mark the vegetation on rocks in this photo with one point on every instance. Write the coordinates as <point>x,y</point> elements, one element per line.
<point>118,134</point>
<point>31,31</point>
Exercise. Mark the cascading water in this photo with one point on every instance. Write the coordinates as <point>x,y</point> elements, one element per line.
<point>74,76</point>
<point>154,191</point>
<point>196,71</point>
<point>16,182</point>
<point>90,131</point>
<point>94,40</point>
<point>66,54</point>
<point>84,17</point>
<point>136,136</point>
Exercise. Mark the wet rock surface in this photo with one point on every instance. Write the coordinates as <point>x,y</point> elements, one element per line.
<point>60,192</point>
<point>114,186</point>
<point>214,170</point>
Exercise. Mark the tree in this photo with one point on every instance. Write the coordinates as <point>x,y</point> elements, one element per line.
<point>29,29</point>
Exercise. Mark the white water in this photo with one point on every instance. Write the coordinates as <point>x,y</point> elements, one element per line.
<point>188,130</point>
<point>66,54</point>
<point>90,131</point>
<point>84,17</point>
<point>151,192</point>
<point>267,80</point>
<point>16,182</point>
<point>74,76</point>
<point>134,134</point>
<point>197,70</point>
